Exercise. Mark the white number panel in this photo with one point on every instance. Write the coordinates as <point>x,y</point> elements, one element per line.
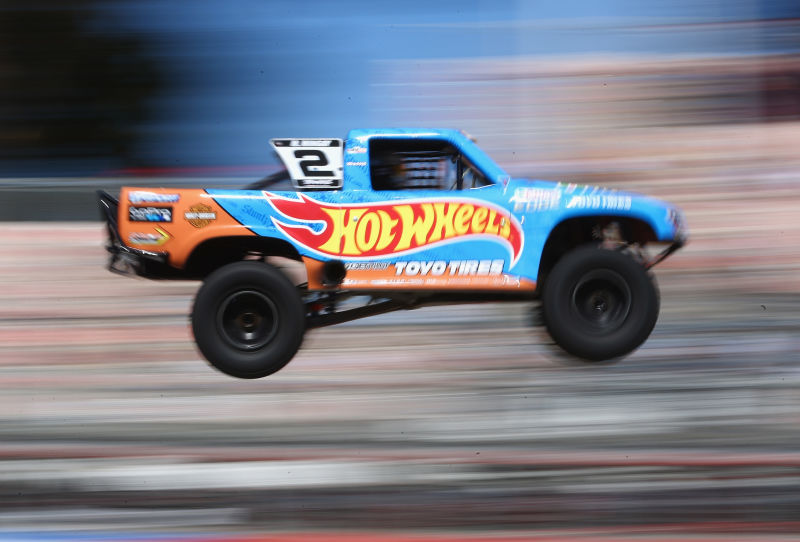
<point>312,163</point>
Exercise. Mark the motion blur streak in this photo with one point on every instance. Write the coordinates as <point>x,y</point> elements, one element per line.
<point>110,421</point>
<point>435,424</point>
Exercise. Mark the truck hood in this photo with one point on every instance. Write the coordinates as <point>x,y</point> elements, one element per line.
<point>568,199</point>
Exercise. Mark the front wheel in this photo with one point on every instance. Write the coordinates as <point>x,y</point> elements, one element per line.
<point>248,319</point>
<point>599,304</point>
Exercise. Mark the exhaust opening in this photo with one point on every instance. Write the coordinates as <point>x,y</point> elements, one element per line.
<point>333,273</point>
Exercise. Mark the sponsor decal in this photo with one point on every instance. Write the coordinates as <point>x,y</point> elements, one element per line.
<point>611,202</point>
<point>384,229</point>
<point>158,238</point>
<point>366,266</point>
<point>536,199</point>
<point>451,268</point>
<point>141,196</point>
<point>357,164</point>
<point>307,142</point>
<point>150,214</point>
<point>200,215</point>
<point>311,162</point>
<point>315,183</point>
<point>252,212</point>
<point>357,150</point>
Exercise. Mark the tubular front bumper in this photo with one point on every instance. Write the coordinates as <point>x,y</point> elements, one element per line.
<point>661,256</point>
<point>126,260</point>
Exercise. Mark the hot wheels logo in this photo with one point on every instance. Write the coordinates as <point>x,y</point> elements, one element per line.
<point>384,229</point>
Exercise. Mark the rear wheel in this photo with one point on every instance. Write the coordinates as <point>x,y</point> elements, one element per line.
<point>599,304</point>
<point>248,319</point>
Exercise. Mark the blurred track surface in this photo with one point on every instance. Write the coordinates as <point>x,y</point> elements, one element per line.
<point>447,420</point>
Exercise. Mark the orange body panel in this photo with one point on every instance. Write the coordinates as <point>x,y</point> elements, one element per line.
<point>195,218</point>
<point>387,278</point>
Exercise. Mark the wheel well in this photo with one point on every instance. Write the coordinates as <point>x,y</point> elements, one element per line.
<point>588,229</point>
<point>212,254</point>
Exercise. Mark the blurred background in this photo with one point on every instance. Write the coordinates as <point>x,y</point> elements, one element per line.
<point>111,426</point>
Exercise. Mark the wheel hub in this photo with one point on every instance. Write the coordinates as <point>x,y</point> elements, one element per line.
<point>602,300</point>
<point>600,304</point>
<point>247,320</point>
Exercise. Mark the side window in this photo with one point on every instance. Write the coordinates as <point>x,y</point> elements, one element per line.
<point>471,177</point>
<point>419,164</point>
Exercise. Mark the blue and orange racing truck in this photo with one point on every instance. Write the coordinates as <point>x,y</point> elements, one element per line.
<point>388,220</point>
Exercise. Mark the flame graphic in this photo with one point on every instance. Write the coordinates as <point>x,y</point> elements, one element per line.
<point>381,229</point>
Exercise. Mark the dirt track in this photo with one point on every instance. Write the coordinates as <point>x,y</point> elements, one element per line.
<point>450,419</point>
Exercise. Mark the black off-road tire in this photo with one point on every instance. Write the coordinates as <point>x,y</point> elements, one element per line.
<point>599,304</point>
<point>248,319</point>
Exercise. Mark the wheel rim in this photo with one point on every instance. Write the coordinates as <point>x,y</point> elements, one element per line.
<point>247,320</point>
<point>601,300</point>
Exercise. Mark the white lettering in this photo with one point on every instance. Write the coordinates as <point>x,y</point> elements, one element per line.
<point>152,197</point>
<point>468,267</point>
<point>611,202</point>
<point>439,267</point>
<point>496,268</point>
<point>536,199</point>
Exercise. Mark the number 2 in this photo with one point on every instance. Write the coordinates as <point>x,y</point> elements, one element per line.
<point>318,160</point>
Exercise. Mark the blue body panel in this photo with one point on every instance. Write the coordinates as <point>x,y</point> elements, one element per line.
<point>512,217</point>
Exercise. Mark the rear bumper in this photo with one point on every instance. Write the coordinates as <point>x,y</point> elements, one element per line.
<point>126,260</point>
